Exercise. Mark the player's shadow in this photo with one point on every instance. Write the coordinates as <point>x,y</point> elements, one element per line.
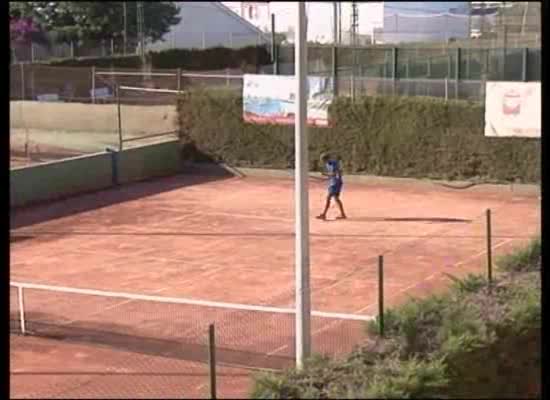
<point>433,220</point>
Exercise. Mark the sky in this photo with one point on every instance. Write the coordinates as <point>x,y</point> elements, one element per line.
<point>320,16</point>
<point>371,14</point>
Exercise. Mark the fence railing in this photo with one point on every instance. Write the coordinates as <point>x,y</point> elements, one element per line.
<point>33,52</point>
<point>91,85</point>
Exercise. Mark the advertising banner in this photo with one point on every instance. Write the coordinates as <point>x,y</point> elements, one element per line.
<point>513,109</point>
<point>271,99</point>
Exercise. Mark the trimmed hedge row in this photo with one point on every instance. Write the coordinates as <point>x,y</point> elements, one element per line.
<point>194,59</point>
<point>463,344</point>
<point>417,137</point>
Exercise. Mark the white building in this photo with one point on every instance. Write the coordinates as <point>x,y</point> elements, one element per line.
<point>206,24</point>
<point>393,22</point>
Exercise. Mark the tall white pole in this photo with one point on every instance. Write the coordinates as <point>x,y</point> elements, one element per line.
<point>303,345</point>
<point>334,22</point>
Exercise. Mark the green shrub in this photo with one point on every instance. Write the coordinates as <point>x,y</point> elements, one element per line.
<point>527,259</point>
<point>133,62</point>
<point>463,344</point>
<point>387,377</point>
<point>393,136</point>
<point>211,59</point>
<point>187,59</point>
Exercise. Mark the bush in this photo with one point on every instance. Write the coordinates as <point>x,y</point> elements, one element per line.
<point>193,59</point>
<point>211,59</point>
<point>417,137</point>
<point>462,344</point>
<point>133,62</point>
<point>357,377</point>
<point>527,259</point>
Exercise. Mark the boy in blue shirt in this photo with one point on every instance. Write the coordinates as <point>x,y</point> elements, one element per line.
<point>335,183</point>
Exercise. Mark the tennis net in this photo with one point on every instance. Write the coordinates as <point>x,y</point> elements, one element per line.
<point>246,335</point>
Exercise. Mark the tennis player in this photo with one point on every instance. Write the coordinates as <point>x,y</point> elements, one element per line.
<point>335,183</point>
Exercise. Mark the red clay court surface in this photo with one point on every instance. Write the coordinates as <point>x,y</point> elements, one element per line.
<point>230,240</point>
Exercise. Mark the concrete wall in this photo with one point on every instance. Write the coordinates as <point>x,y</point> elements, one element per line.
<point>147,162</point>
<point>100,118</point>
<point>57,179</point>
<point>78,175</point>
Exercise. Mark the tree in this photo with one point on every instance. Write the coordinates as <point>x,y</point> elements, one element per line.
<point>89,20</point>
<point>24,31</point>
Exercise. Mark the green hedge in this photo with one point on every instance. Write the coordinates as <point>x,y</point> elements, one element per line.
<point>194,59</point>
<point>211,59</point>
<point>463,344</point>
<point>98,62</point>
<point>417,137</point>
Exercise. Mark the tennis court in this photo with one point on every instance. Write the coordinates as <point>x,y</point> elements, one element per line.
<point>217,243</point>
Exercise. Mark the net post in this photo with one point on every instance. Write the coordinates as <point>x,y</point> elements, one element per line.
<point>21,309</point>
<point>117,89</point>
<point>381,294</point>
<point>212,360</point>
<point>489,248</point>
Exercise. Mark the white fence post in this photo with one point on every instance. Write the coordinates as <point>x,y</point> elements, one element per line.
<point>21,309</point>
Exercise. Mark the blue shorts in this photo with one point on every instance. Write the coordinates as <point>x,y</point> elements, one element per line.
<point>335,189</point>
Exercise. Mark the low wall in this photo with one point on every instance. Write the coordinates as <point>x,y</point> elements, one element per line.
<point>100,118</point>
<point>150,161</point>
<point>73,176</point>
<point>57,179</point>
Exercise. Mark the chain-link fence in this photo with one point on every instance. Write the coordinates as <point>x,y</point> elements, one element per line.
<point>34,52</point>
<point>518,64</point>
<point>43,124</point>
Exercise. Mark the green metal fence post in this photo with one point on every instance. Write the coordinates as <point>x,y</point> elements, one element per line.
<point>457,71</point>
<point>394,69</point>
<point>524,65</point>
<point>489,248</point>
<point>212,360</point>
<point>335,70</point>
<point>119,117</point>
<point>381,294</point>
<point>276,63</point>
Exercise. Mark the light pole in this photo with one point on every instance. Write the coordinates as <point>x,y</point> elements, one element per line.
<point>303,334</point>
